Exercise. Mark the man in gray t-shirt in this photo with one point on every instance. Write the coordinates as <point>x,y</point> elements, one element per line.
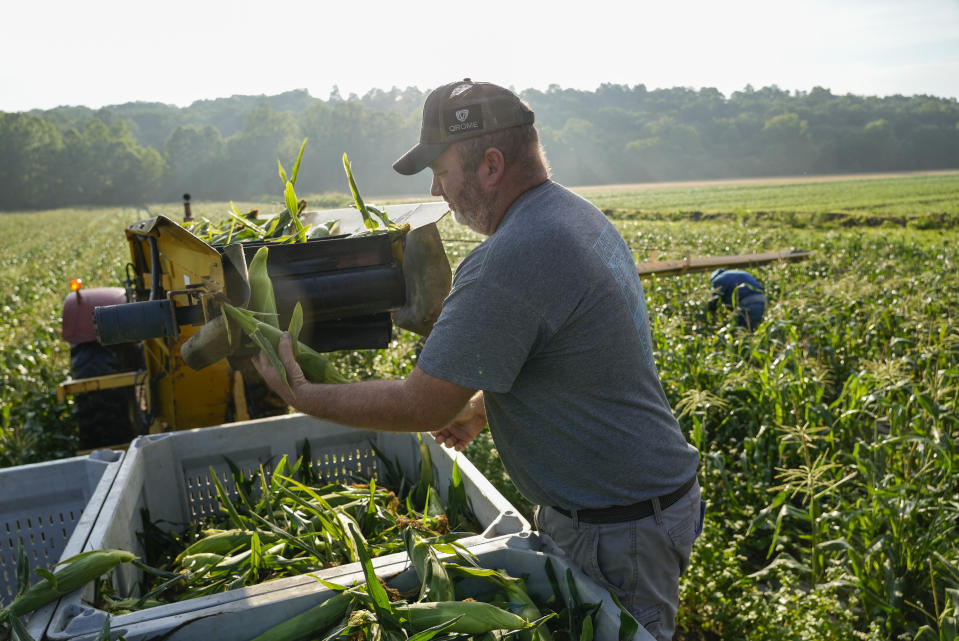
<point>545,337</point>
<point>548,318</point>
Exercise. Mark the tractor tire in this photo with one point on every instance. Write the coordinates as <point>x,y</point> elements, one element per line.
<point>106,417</point>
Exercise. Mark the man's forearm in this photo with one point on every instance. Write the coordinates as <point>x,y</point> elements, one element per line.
<point>375,404</point>
<point>419,403</point>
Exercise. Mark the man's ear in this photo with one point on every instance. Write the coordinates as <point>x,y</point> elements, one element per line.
<point>492,168</point>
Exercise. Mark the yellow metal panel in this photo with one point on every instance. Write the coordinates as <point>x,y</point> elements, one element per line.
<point>95,383</point>
<point>201,397</point>
<point>182,398</point>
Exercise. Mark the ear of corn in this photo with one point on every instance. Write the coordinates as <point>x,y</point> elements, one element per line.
<point>221,542</point>
<point>436,583</point>
<point>261,323</point>
<point>517,595</point>
<point>315,619</point>
<point>262,301</point>
<point>75,572</point>
<point>475,617</point>
<point>316,367</point>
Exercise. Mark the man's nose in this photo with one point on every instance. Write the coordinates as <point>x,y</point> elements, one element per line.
<point>435,188</point>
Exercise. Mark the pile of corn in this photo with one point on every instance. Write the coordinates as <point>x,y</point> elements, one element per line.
<point>280,526</point>
<point>286,226</point>
<point>291,523</point>
<point>439,608</point>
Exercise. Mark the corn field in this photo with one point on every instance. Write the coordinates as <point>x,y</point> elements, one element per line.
<point>828,436</point>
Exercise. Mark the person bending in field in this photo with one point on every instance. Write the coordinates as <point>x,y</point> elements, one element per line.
<point>545,337</point>
<point>740,291</point>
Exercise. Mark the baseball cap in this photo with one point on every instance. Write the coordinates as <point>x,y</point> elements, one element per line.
<point>461,110</point>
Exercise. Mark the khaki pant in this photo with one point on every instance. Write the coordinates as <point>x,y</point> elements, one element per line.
<point>640,561</point>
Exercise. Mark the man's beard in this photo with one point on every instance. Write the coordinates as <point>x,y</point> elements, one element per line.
<point>473,208</point>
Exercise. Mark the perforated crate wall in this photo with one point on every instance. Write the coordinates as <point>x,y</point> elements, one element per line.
<point>49,508</point>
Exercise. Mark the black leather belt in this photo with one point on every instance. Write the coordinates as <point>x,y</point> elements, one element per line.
<point>623,513</point>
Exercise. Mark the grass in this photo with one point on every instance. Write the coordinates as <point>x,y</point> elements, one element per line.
<point>828,436</point>
<point>909,197</point>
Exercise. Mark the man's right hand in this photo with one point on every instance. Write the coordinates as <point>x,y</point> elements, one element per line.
<point>464,427</point>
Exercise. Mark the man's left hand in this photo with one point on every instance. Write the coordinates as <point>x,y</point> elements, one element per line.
<point>294,374</point>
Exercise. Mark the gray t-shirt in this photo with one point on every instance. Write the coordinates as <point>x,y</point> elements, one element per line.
<point>547,316</point>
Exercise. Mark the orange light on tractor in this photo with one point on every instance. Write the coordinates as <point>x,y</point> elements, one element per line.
<point>76,284</point>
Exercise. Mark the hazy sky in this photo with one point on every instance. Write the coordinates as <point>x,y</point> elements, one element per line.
<point>104,52</point>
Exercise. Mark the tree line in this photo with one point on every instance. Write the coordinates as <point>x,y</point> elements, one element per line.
<point>227,149</point>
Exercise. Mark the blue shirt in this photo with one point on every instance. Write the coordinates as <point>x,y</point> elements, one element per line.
<point>734,281</point>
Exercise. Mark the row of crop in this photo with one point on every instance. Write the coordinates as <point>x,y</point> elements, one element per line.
<point>828,435</point>
<point>829,443</point>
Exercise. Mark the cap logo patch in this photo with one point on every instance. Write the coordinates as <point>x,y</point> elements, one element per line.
<point>458,89</point>
<point>464,120</point>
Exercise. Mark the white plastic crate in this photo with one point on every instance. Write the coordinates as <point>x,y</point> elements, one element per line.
<point>51,507</point>
<point>245,618</point>
<point>169,475</point>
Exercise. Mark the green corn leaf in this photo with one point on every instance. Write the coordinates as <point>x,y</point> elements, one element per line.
<point>48,575</point>
<point>457,501</point>
<point>256,554</point>
<point>282,172</point>
<point>628,627</point>
<point>261,341</point>
<point>293,206</point>
<point>18,631</point>
<point>238,217</point>
<point>381,601</point>
<point>276,480</point>
<point>227,504</point>
<point>242,486</point>
<point>435,582</point>
<point>23,568</point>
<point>381,214</point>
<point>295,541</point>
<point>587,632</point>
<point>296,165</point>
<point>425,483</point>
<point>349,523</point>
<point>368,221</point>
<point>429,633</point>
<point>573,590</point>
<point>296,325</point>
